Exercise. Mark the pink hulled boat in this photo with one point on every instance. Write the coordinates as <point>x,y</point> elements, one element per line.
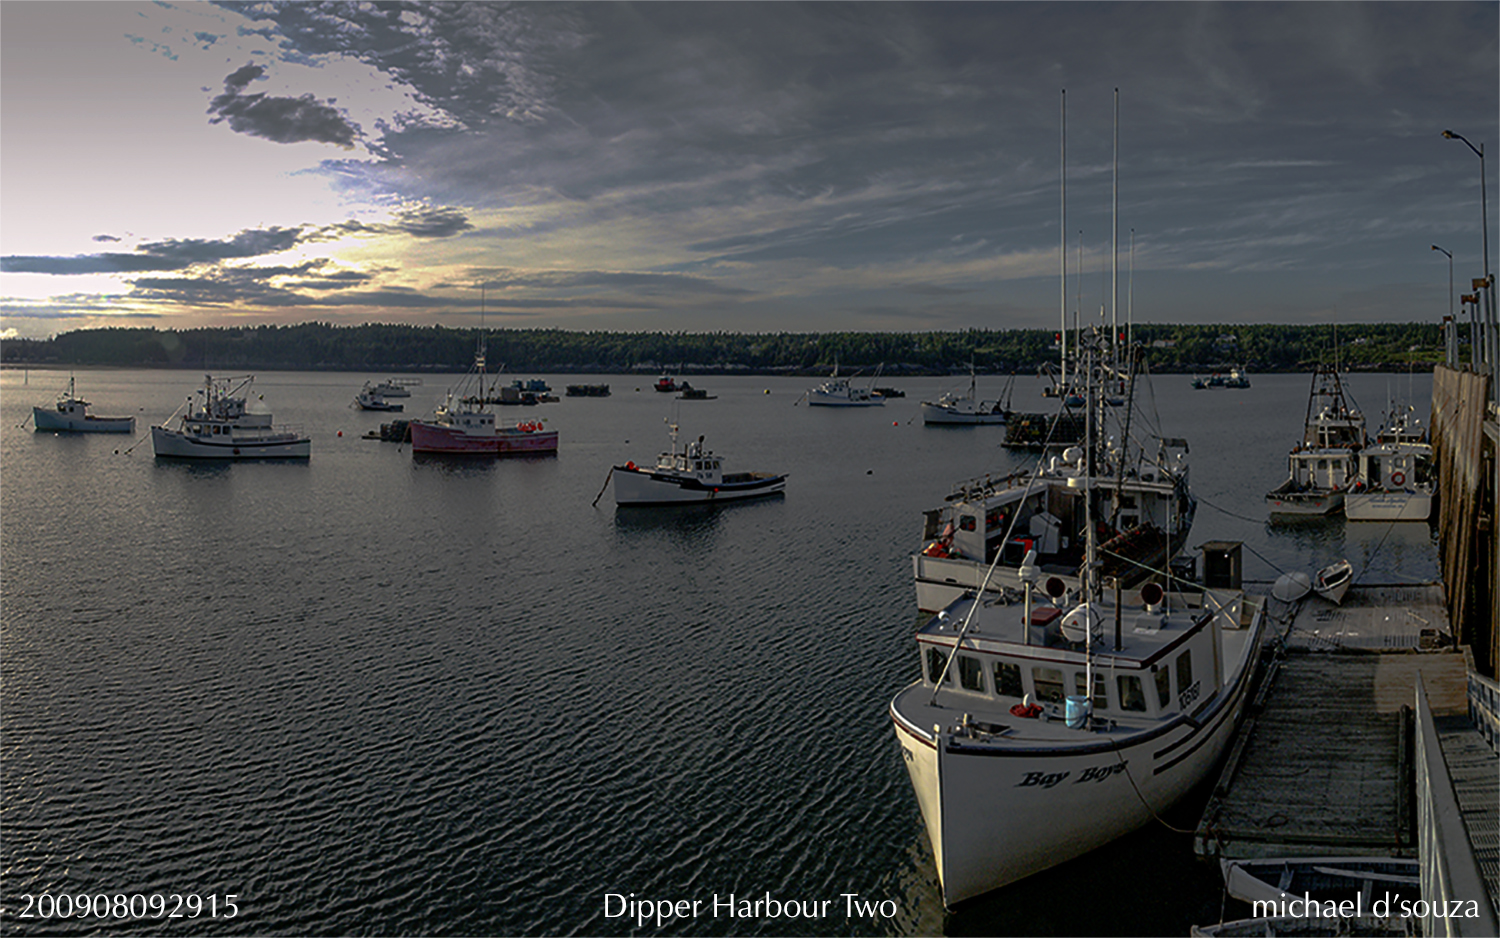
<point>464,425</point>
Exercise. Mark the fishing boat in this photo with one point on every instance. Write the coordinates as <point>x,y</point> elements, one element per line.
<point>692,475</point>
<point>968,409</point>
<point>1395,480</point>
<point>219,425</point>
<point>369,398</point>
<point>588,390</point>
<point>838,392</point>
<point>1323,465</point>
<point>666,384</point>
<point>1039,731</point>
<point>1332,582</point>
<point>397,387</point>
<point>71,414</point>
<point>1237,379</point>
<point>463,425</point>
<point>690,393</point>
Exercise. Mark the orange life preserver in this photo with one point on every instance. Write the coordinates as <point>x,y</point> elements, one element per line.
<point>936,549</point>
<point>1398,478</point>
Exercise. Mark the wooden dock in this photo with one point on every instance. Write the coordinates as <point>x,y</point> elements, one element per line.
<point>1323,763</point>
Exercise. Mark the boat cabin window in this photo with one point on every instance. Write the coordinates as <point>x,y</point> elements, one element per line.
<point>1100,698</point>
<point>966,522</point>
<point>1131,696</point>
<point>1008,680</point>
<point>1184,671</point>
<point>936,657</point>
<point>970,673</point>
<point>1048,684</point>
<point>1163,688</point>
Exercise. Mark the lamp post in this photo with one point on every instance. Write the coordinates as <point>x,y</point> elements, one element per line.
<point>1450,294</point>
<point>1489,292</point>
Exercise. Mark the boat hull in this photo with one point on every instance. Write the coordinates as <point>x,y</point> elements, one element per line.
<point>176,445</point>
<point>1304,504</point>
<point>44,419</point>
<point>933,413</point>
<point>505,441</point>
<point>994,819</point>
<point>641,487</point>
<point>832,400</point>
<point>1388,506</point>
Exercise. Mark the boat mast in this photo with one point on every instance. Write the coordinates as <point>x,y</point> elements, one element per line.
<point>1114,251</point>
<point>1062,249</point>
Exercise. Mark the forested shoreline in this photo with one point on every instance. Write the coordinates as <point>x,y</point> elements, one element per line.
<point>405,348</point>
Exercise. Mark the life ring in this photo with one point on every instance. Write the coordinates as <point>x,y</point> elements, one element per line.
<point>1398,478</point>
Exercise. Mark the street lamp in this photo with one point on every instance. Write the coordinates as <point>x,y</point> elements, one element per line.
<point>1450,289</point>
<point>1484,210</point>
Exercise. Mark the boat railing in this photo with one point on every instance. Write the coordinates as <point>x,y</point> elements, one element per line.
<point>283,431</point>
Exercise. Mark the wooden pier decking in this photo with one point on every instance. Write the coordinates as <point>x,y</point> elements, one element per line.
<point>1323,762</point>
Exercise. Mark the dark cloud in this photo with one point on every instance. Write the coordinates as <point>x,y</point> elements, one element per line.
<point>171,254</point>
<point>421,222</point>
<point>282,120</point>
<point>105,237</point>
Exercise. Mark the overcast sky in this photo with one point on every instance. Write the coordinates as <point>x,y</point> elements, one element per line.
<point>737,166</point>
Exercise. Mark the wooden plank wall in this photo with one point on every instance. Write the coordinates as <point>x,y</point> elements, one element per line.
<point>1466,510</point>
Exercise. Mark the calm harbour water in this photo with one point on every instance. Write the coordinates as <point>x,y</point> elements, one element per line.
<point>376,694</point>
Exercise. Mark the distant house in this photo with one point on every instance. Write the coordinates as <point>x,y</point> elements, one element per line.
<point>1164,343</point>
<point>1227,339</point>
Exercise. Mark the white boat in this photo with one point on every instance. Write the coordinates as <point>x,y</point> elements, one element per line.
<point>1396,479</point>
<point>464,425</point>
<point>1029,746</point>
<point>371,399</point>
<point>1323,465</point>
<point>693,475</point>
<point>1332,582</point>
<point>967,409</point>
<point>219,426</point>
<point>71,414</point>
<point>397,387</point>
<point>1338,879</point>
<point>838,392</point>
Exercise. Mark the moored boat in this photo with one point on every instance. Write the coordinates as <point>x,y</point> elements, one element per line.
<point>370,399</point>
<point>1333,581</point>
<point>1395,480</point>
<point>463,425</point>
<point>220,426</point>
<point>71,414</point>
<point>397,387</point>
<point>1337,879</point>
<point>693,475</point>
<point>666,384</point>
<point>588,390</point>
<point>1322,466</point>
<point>1038,733</point>
<point>838,392</point>
<point>968,409</point>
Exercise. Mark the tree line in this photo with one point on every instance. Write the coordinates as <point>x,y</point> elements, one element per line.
<point>406,348</point>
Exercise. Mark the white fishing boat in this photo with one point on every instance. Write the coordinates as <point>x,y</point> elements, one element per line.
<point>838,392</point>
<point>1396,478</point>
<point>369,398</point>
<point>1333,581</point>
<point>968,409</point>
<point>219,425</point>
<point>71,414</point>
<point>692,475</point>
<point>397,387</point>
<point>1323,465</point>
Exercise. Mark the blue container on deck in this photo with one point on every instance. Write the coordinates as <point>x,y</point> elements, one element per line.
<point>1077,712</point>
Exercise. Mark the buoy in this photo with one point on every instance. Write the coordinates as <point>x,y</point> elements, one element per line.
<point>895,423</point>
<point>341,433</point>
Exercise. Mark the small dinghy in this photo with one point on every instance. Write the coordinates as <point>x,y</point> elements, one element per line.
<point>1290,587</point>
<point>1332,582</point>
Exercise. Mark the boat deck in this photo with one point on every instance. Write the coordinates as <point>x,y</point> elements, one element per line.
<point>1324,760</point>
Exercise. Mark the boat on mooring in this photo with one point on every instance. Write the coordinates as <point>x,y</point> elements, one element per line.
<point>1322,466</point>
<point>219,425</point>
<point>693,475</point>
<point>397,387</point>
<point>71,414</point>
<point>369,398</point>
<point>968,409</point>
<point>464,425</point>
<point>838,392</point>
<point>1396,479</point>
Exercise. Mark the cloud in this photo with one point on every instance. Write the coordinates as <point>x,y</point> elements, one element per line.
<point>282,120</point>
<point>170,254</point>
